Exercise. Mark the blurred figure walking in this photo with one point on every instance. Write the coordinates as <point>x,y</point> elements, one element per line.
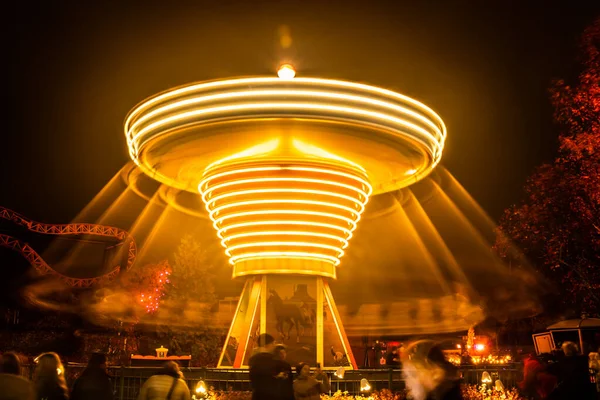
<point>263,370</point>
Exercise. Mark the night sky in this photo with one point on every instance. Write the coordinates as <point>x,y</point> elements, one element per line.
<point>75,70</point>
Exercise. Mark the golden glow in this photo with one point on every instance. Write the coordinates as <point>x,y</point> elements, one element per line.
<point>306,210</point>
<point>286,71</point>
<point>485,377</point>
<point>261,148</point>
<point>317,151</point>
<point>201,388</point>
<point>375,112</point>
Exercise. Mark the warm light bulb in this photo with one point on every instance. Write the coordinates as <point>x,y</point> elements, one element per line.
<point>364,385</point>
<point>286,71</point>
<point>201,387</point>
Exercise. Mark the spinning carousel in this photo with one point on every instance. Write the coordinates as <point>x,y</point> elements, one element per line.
<point>285,167</point>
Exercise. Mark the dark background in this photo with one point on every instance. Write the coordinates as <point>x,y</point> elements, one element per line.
<point>76,68</point>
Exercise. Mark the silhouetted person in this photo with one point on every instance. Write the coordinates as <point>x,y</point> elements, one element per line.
<point>594,364</point>
<point>466,359</point>
<point>263,370</point>
<point>93,383</point>
<point>283,373</point>
<point>392,358</point>
<point>13,385</point>
<point>166,385</point>
<point>49,378</point>
<point>448,385</point>
<point>573,376</point>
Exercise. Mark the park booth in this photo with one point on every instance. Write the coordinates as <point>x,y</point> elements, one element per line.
<point>161,357</point>
<point>583,331</point>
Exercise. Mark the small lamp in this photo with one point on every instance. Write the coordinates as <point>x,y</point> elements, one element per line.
<point>364,385</point>
<point>339,373</point>
<point>486,378</point>
<point>161,352</point>
<point>201,390</point>
<point>499,386</point>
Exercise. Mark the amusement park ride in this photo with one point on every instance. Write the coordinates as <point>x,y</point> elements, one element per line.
<point>285,167</point>
<point>70,230</point>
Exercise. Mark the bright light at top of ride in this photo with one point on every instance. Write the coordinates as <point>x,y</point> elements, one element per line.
<point>286,71</point>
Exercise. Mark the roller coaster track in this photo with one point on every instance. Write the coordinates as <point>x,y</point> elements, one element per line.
<point>74,229</point>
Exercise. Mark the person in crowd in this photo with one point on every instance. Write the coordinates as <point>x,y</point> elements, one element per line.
<point>263,373</point>
<point>447,383</point>
<point>427,373</point>
<point>573,376</point>
<point>283,373</point>
<point>594,365</point>
<point>537,383</point>
<point>49,378</point>
<point>94,382</point>
<point>13,385</point>
<point>392,358</point>
<point>465,358</point>
<point>308,386</point>
<point>167,384</point>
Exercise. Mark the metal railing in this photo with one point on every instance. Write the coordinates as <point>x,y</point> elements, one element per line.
<point>128,381</point>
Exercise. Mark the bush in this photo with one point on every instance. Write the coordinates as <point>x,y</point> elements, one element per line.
<point>470,392</point>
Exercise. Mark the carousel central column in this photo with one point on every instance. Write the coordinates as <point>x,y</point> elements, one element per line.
<point>285,221</point>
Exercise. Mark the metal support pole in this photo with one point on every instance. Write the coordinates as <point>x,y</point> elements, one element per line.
<point>320,309</point>
<point>263,305</point>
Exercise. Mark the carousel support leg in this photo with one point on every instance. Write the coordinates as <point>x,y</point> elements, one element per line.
<point>253,303</point>
<point>338,324</point>
<point>263,305</point>
<point>319,327</point>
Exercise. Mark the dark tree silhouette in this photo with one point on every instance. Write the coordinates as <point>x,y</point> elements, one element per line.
<point>557,225</point>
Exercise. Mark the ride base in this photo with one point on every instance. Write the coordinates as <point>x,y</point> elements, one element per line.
<point>299,311</point>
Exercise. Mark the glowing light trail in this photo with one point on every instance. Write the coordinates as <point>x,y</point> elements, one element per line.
<point>326,201</point>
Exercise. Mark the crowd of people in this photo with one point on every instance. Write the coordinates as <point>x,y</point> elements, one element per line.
<point>49,381</point>
<point>271,375</point>
<point>565,374</point>
<point>427,372</point>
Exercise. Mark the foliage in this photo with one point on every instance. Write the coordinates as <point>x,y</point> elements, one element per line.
<point>469,392</point>
<point>147,284</point>
<point>379,395</point>
<point>557,226</point>
<point>483,392</point>
<point>193,273</point>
